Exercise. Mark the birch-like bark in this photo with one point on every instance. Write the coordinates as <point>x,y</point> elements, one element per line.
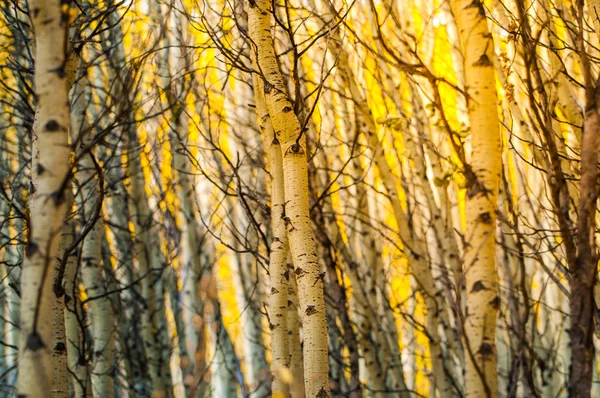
<point>74,319</point>
<point>51,165</point>
<point>293,145</point>
<point>4,247</point>
<point>483,178</point>
<point>60,379</point>
<point>278,273</point>
<point>102,361</point>
<point>379,357</point>
<point>279,276</point>
<point>293,326</point>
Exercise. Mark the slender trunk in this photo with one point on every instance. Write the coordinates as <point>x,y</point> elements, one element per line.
<point>278,272</point>
<point>302,244</point>
<point>60,380</point>
<point>483,178</point>
<point>279,276</point>
<point>583,274</point>
<point>146,248</point>
<point>51,166</point>
<point>367,273</point>
<point>102,371</point>
<point>175,302</point>
<point>163,342</point>
<point>74,319</point>
<point>293,326</point>
<point>15,254</point>
<point>4,247</point>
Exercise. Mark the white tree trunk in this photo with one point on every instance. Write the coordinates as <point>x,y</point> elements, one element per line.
<point>50,170</point>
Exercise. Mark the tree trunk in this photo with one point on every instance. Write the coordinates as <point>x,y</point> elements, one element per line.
<point>60,380</point>
<point>102,361</point>
<point>583,275</point>
<point>293,326</point>
<point>483,178</point>
<point>51,167</point>
<point>293,145</point>
<point>279,276</point>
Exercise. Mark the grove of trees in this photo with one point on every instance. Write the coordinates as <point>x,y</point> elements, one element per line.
<point>299,198</point>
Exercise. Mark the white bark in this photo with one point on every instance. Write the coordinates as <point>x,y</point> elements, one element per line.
<point>50,169</point>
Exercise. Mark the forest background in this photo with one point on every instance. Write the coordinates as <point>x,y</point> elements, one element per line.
<point>320,198</point>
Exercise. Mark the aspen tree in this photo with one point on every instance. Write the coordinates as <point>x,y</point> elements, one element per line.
<point>483,178</point>
<point>123,305</point>
<point>162,340</point>
<point>344,337</point>
<point>51,158</point>
<point>118,198</point>
<point>585,270</point>
<point>367,276</point>
<point>279,275</point>
<point>415,248</point>
<point>13,299</point>
<point>150,238</point>
<point>176,307</point>
<point>191,259</point>
<point>247,279</point>
<point>123,369</point>
<point>278,271</point>
<point>73,319</point>
<point>324,218</point>
<point>145,253</point>
<point>448,253</point>
<point>247,292</point>
<point>225,364</point>
<point>293,326</point>
<point>445,376</point>
<point>302,245</point>
<point>91,269</point>
<point>4,247</point>
<point>59,342</point>
<point>59,336</point>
